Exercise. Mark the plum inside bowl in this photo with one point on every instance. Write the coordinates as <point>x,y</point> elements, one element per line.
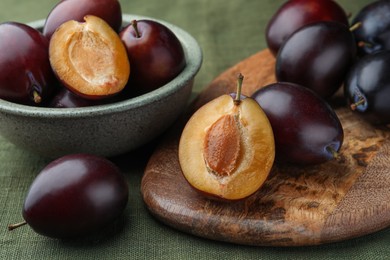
<point>109,129</point>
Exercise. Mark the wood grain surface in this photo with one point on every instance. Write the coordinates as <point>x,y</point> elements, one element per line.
<point>296,206</point>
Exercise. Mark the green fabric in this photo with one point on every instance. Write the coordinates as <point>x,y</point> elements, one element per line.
<point>228,31</point>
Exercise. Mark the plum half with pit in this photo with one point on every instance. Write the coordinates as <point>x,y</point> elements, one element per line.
<point>74,196</point>
<point>26,76</point>
<point>227,149</point>
<point>307,130</point>
<point>155,53</point>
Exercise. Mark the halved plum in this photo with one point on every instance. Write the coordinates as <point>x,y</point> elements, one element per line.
<point>89,58</point>
<point>227,148</point>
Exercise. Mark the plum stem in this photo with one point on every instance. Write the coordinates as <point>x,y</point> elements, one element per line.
<point>355,26</point>
<point>34,88</point>
<point>134,23</point>
<point>37,98</point>
<point>333,152</point>
<point>13,226</point>
<point>357,103</point>
<point>362,44</point>
<point>240,79</point>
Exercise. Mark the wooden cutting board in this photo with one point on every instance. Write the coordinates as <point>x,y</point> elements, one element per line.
<point>297,206</point>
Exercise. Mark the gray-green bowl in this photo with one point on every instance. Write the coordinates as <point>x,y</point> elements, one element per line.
<point>105,130</point>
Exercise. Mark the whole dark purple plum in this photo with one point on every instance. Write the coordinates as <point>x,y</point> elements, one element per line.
<point>294,14</point>
<point>74,196</point>
<point>108,10</point>
<point>367,87</point>
<point>317,56</point>
<point>306,129</point>
<point>373,34</point>
<point>26,76</point>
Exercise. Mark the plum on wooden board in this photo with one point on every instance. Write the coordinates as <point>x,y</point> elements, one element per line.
<point>227,149</point>
<point>373,34</point>
<point>367,87</point>
<point>307,130</point>
<point>294,14</point>
<point>26,76</point>
<point>317,56</point>
<point>108,10</point>
<point>155,53</point>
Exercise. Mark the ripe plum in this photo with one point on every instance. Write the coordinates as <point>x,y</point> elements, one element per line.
<point>108,10</point>
<point>373,34</point>
<point>89,58</point>
<point>155,53</point>
<point>75,195</point>
<point>294,14</point>
<point>317,56</point>
<point>67,99</point>
<point>367,87</point>
<point>26,76</point>
<point>306,128</point>
<point>227,150</point>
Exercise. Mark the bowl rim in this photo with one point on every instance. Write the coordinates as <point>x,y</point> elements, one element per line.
<point>194,58</point>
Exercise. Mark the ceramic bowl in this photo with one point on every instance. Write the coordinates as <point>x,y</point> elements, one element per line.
<point>106,130</point>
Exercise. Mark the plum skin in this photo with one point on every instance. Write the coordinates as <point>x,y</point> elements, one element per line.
<point>155,53</point>
<point>65,10</point>
<point>317,56</point>
<point>75,195</point>
<point>369,79</point>
<point>24,65</point>
<point>306,128</point>
<point>373,33</point>
<point>294,14</point>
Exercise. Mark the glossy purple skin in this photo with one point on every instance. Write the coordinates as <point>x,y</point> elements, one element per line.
<point>369,78</point>
<point>294,14</point>
<point>24,64</point>
<point>375,27</point>
<point>75,195</point>
<point>156,57</point>
<point>67,99</point>
<point>317,56</point>
<point>304,125</point>
<point>65,10</point>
